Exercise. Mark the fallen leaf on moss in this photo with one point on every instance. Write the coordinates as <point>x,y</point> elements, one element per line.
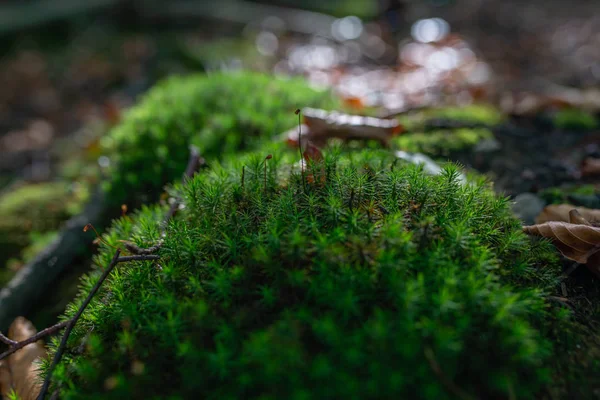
<point>560,212</point>
<point>320,125</point>
<point>19,371</point>
<point>577,239</point>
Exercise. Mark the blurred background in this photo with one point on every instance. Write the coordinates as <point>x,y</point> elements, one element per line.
<point>68,69</point>
<point>65,64</point>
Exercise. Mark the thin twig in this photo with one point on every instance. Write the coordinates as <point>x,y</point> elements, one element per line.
<point>299,113</point>
<point>194,163</point>
<point>71,324</point>
<point>446,382</point>
<point>14,346</point>
<point>7,340</point>
<point>145,257</point>
<point>135,249</point>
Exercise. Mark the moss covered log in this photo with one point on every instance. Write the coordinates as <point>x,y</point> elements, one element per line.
<point>380,282</point>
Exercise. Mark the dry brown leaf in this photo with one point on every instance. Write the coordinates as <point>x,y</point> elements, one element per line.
<point>577,240</point>
<point>590,167</point>
<point>560,212</point>
<point>320,125</point>
<point>19,371</point>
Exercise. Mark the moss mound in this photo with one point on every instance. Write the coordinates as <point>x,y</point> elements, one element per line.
<point>380,283</point>
<point>221,113</point>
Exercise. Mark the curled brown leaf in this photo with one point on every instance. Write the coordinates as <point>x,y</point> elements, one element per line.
<point>577,240</point>
<point>321,125</point>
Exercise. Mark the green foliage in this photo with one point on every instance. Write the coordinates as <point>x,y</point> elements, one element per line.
<point>30,210</point>
<point>474,114</point>
<point>575,119</point>
<point>221,113</point>
<point>442,142</point>
<point>566,194</point>
<point>357,288</point>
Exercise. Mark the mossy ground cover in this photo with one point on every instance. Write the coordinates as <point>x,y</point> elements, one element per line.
<point>381,282</point>
<point>444,142</point>
<point>30,215</point>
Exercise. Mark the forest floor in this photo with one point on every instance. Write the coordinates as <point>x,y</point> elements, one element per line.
<point>61,92</point>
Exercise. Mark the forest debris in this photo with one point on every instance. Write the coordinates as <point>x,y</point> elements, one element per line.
<point>560,212</point>
<point>590,167</point>
<point>19,371</point>
<point>321,125</point>
<point>577,240</point>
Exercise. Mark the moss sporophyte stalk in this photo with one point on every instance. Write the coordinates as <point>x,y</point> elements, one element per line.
<point>378,281</point>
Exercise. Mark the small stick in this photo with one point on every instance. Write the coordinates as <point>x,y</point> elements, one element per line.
<point>134,249</point>
<point>14,345</point>
<point>266,158</point>
<point>6,340</point>
<point>142,257</point>
<point>299,114</point>
<point>243,175</point>
<point>194,163</point>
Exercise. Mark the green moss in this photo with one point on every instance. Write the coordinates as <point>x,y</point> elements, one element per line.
<point>221,113</point>
<point>569,193</point>
<point>483,114</point>
<point>442,142</point>
<point>480,113</point>
<point>381,283</point>
<point>575,119</point>
<point>32,209</point>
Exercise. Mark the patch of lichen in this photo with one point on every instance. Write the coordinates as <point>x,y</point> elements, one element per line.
<point>380,282</point>
<point>220,113</point>
<point>31,210</point>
